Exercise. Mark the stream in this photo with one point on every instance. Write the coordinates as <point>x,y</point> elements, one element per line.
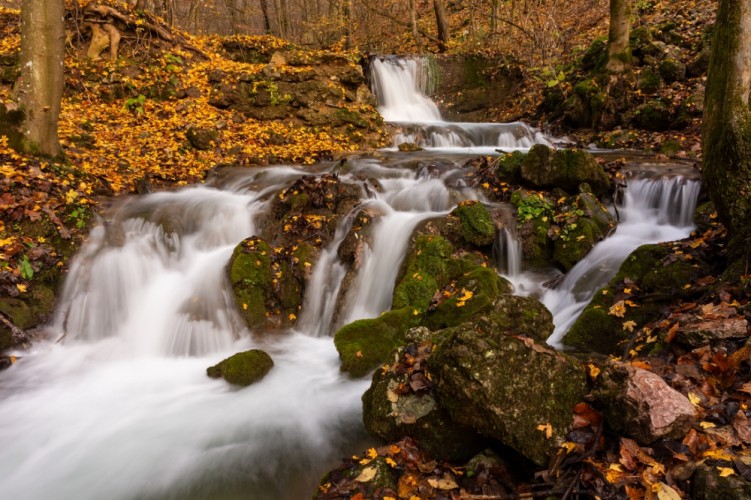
<point>121,407</point>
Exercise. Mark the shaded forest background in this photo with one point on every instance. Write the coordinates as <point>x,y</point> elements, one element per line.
<point>533,31</point>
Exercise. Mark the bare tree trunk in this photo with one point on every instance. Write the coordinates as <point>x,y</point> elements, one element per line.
<point>283,15</point>
<point>494,15</point>
<point>443,25</point>
<point>413,24</point>
<point>39,88</point>
<point>619,53</point>
<point>727,126</point>
<point>347,23</point>
<point>266,20</point>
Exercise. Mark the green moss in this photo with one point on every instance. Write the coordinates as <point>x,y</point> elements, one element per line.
<point>426,270</point>
<point>251,279</point>
<point>477,226</point>
<point>364,344</point>
<point>243,368</point>
<point>475,292</point>
<point>352,117</point>
<point>649,81</point>
<point>596,56</point>
<point>580,239</point>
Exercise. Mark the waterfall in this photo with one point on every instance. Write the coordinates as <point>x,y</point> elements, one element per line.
<point>652,211</point>
<point>509,253</point>
<point>401,86</point>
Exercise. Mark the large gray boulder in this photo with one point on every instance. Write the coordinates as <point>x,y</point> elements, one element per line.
<point>508,387</point>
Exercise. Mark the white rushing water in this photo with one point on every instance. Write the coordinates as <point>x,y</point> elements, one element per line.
<point>653,210</point>
<point>401,86</point>
<point>122,408</point>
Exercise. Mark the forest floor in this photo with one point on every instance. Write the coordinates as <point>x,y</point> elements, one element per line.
<point>128,144</point>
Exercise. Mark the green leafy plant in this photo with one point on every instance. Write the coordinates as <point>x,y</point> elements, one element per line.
<point>27,272</point>
<point>135,104</point>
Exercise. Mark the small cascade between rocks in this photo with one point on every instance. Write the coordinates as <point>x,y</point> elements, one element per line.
<point>117,403</point>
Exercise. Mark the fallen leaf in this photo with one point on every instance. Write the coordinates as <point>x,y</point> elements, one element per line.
<point>442,484</point>
<point>547,429</point>
<point>367,475</point>
<point>665,492</point>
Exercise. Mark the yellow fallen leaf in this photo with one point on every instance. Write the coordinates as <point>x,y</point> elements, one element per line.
<point>695,400</point>
<point>725,471</point>
<point>547,429</point>
<point>442,484</point>
<point>372,453</point>
<point>391,462</point>
<point>706,425</point>
<point>593,370</point>
<point>629,325</point>
<point>665,492</point>
<point>366,475</point>
<point>21,287</point>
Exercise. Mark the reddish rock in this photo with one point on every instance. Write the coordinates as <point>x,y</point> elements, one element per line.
<point>642,405</point>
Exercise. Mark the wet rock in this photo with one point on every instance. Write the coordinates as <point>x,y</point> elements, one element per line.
<point>508,388</point>
<point>476,223</point>
<point>709,485</point>
<point>525,316</point>
<point>408,147</point>
<point>426,270</point>
<point>401,402</point>
<point>641,404</point>
<point>534,219</point>
<point>364,344</point>
<point>268,283</point>
<point>566,168</point>
<point>717,322</point>
<point>655,271</point>
<point>201,138</point>
<point>586,223</point>
<point>474,291</point>
<point>243,368</point>
<point>699,65</point>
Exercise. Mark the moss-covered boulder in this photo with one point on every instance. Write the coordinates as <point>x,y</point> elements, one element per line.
<point>709,484</point>
<point>672,70</point>
<point>476,223</point>
<point>400,402</point>
<point>651,270</point>
<point>243,368</point>
<point>544,167</point>
<point>366,343</point>
<point>470,294</point>
<point>426,270</point>
<point>508,388</point>
<point>534,217</point>
<point>268,283</point>
<point>581,222</point>
<point>525,316</point>
<point>509,167</point>
<point>654,115</point>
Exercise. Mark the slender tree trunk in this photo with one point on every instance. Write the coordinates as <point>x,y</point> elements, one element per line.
<point>442,23</point>
<point>413,24</point>
<point>727,125</point>
<point>266,20</point>
<point>619,53</point>
<point>39,88</point>
<point>347,23</point>
<point>283,16</point>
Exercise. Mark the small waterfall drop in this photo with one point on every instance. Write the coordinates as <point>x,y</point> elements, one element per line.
<point>653,211</point>
<point>509,254</point>
<point>401,84</point>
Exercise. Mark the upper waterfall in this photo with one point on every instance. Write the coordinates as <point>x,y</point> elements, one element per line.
<point>401,86</point>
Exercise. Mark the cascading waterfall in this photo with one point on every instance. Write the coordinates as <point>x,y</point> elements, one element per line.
<point>401,84</point>
<point>652,211</point>
<point>509,253</point>
<point>121,407</point>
